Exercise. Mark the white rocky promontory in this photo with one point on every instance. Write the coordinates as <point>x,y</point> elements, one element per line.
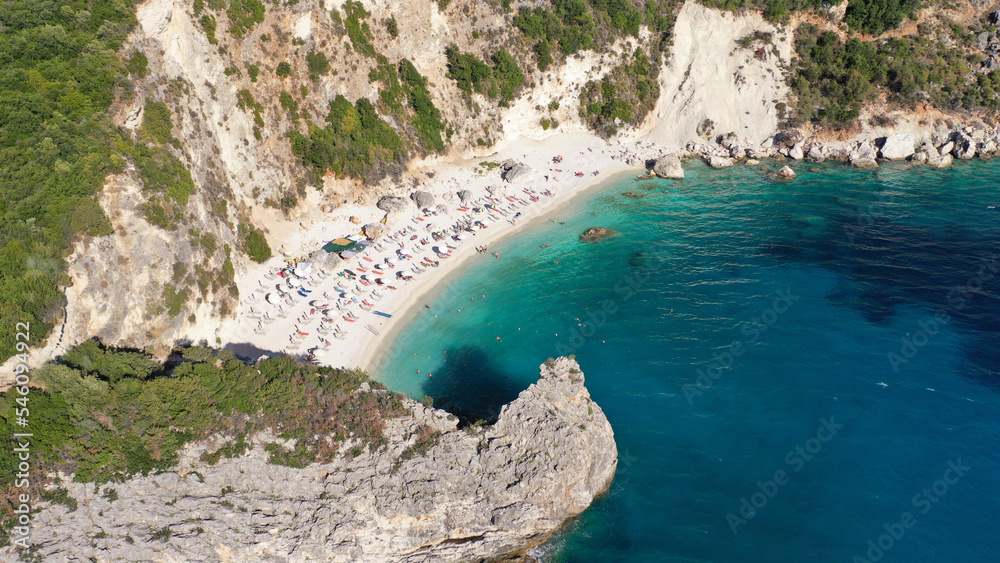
<point>475,495</point>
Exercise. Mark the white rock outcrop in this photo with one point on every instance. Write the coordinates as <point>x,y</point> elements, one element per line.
<point>669,166</point>
<point>863,156</point>
<point>898,147</point>
<point>475,494</point>
<point>720,161</point>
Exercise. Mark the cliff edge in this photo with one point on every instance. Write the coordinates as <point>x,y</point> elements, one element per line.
<point>476,493</point>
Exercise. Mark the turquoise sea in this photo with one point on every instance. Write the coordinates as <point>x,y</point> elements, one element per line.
<point>795,371</point>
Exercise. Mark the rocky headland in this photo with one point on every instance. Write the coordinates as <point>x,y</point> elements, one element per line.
<point>469,494</point>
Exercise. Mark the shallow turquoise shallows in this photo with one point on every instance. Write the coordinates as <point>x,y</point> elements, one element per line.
<point>795,371</point>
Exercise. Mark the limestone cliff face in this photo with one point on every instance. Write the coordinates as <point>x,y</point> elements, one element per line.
<point>474,495</point>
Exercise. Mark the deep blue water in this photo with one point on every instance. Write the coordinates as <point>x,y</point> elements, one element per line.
<point>734,320</point>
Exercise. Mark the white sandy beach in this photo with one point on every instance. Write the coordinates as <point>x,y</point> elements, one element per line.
<point>369,333</point>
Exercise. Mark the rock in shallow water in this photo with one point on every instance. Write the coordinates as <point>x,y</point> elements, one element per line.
<point>669,166</point>
<point>595,234</point>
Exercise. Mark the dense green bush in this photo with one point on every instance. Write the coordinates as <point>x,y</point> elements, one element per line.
<point>834,78</point>
<point>502,80</point>
<point>156,124</point>
<point>284,70</point>
<point>138,64</point>
<point>254,243</point>
<point>878,16</point>
<point>355,143</point>
<point>317,64</point>
<point>58,76</point>
<point>243,14</point>
<point>290,105</point>
<point>625,95</point>
<point>426,117</point>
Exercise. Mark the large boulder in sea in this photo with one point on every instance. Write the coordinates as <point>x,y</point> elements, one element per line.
<point>595,234</point>
<point>898,147</point>
<point>465,196</point>
<point>391,203</point>
<point>517,172</point>
<point>786,173</point>
<point>424,200</point>
<point>669,166</point>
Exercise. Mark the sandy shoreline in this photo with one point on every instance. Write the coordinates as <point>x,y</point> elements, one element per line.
<point>366,340</point>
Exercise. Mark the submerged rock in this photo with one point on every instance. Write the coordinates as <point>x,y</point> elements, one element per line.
<point>669,166</point>
<point>595,234</point>
<point>633,195</point>
<point>473,495</point>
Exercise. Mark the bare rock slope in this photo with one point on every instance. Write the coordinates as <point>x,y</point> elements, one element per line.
<point>475,495</point>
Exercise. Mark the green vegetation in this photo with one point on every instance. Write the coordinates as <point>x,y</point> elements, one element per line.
<point>106,414</point>
<point>156,124</point>
<point>878,16</point>
<point>624,96</point>
<point>243,14</point>
<point>174,300</point>
<point>835,78</point>
<point>246,101</point>
<point>502,80</point>
<point>58,76</point>
<point>426,117</point>
<point>317,64</point>
<point>290,105</point>
<point>356,143</point>
<point>254,243</point>
<point>774,10</point>
<point>357,29</point>
<point>392,27</point>
<point>208,24</point>
<point>138,64</point>
<point>253,71</point>
<point>572,25</point>
<point>284,70</point>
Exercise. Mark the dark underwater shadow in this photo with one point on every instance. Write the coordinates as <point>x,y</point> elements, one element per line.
<point>886,264</point>
<point>470,386</point>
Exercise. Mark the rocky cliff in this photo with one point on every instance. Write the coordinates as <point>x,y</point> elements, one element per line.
<point>475,494</point>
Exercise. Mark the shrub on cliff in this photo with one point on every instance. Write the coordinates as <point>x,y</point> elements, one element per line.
<point>878,16</point>
<point>107,414</point>
<point>254,243</point>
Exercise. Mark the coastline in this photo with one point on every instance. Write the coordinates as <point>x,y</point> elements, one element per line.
<point>363,338</point>
<point>367,339</point>
<point>431,285</point>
